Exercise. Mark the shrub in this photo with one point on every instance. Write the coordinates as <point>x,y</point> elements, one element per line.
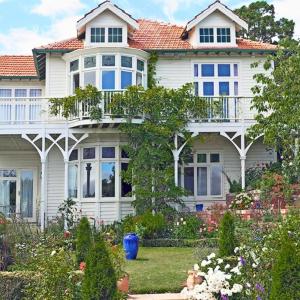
<point>99,281</point>
<point>227,240</point>
<point>187,228</point>
<point>203,243</point>
<point>83,240</point>
<point>286,272</point>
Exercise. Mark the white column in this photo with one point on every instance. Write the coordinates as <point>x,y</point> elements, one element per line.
<point>243,171</point>
<point>118,183</point>
<point>176,159</point>
<point>43,193</point>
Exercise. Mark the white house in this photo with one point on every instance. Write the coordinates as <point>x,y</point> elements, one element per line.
<point>45,159</point>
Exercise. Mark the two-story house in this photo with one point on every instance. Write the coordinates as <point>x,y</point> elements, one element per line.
<point>45,159</point>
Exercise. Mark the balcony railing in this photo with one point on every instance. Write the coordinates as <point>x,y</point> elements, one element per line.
<point>37,110</point>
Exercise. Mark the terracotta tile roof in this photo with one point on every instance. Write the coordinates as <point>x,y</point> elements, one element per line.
<point>17,66</point>
<point>159,35</point>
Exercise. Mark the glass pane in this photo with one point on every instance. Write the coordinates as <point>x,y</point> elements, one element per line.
<point>208,70</point>
<point>201,158</point>
<point>125,187</point>
<point>74,155</point>
<point>215,180</point>
<point>223,70</point>
<point>126,61</point>
<point>139,79</point>
<point>76,82</point>
<point>215,157</point>
<point>202,181</point>
<point>97,35</point>
<point>208,89</point>
<point>74,65</point>
<point>8,197</point>
<point>35,93</point>
<point>224,88</point>
<point>26,194</point>
<point>72,180</point>
<point>126,79</point>
<point>108,80</point>
<point>196,71</point>
<point>115,35</point>
<point>235,70</point>
<point>179,177</point>
<point>90,78</point>
<point>5,93</point>
<point>20,93</point>
<point>189,180</point>
<point>108,61</point>
<point>108,152</point>
<point>236,88</point>
<point>89,174</point>
<point>108,179</point>
<point>89,153</point>
<point>140,65</point>
<point>196,88</point>
<point>90,62</point>
<point>8,173</point>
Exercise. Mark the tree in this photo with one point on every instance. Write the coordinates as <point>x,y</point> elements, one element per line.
<point>263,27</point>
<point>227,239</point>
<point>99,281</point>
<point>276,101</point>
<point>83,240</point>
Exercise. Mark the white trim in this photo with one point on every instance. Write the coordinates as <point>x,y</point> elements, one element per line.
<point>223,9</point>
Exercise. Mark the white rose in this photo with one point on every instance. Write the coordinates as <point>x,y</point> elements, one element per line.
<point>196,267</point>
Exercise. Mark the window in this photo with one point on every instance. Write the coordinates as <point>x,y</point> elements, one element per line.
<point>89,153</point>
<point>115,35</point>
<point>189,180</point>
<point>108,179</point>
<point>108,152</point>
<point>97,35</point>
<point>74,155</point>
<point>90,62</point>
<point>206,35</point>
<point>74,65</point>
<point>108,80</point>
<point>140,65</point>
<point>236,88</point>
<point>223,70</point>
<point>5,92</point>
<point>214,157</point>
<point>88,176</point>
<point>126,61</point>
<point>76,82</point>
<point>224,88</point>
<point>196,70</point>
<point>90,78</point>
<point>72,180</point>
<point>126,79</point>
<point>139,79</point>
<point>196,88</point>
<point>223,35</point>
<point>208,89</point>
<point>35,93</point>
<point>235,70</point>
<point>201,158</point>
<point>202,181</point>
<point>215,180</point>
<point>126,188</point>
<point>208,70</point>
<point>108,61</point>
<point>20,93</point>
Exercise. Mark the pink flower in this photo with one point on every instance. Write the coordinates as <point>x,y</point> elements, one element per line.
<point>82,266</point>
<point>67,234</point>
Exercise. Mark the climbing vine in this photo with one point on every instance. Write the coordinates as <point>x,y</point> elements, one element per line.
<point>152,69</point>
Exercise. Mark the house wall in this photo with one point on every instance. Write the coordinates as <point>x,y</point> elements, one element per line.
<point>28,84</point>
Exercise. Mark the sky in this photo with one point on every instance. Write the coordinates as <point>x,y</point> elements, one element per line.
<point>25,24</point>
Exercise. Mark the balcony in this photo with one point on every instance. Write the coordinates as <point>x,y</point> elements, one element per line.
<point>17,111</point>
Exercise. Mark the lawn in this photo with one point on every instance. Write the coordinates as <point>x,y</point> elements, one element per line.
<point>159,270</point>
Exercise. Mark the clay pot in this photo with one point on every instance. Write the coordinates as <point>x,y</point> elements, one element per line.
<point>123,284</point>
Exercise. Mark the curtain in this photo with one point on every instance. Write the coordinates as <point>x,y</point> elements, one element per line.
<point>4,196</point>
<point>26,194</point>
<point>73,173</point>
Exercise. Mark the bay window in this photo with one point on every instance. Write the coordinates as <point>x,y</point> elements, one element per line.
<point>108,80</point>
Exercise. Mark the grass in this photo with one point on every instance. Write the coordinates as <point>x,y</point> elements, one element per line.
<point>160,270</point>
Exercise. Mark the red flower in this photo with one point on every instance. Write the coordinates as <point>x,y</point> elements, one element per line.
<point>82,266</point>
<point>67,234</point>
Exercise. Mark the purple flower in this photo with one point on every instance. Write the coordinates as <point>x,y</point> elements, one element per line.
<point>224,297</point>
<point>259,287</point>
<point>243,261</point>
<point>258,298</point>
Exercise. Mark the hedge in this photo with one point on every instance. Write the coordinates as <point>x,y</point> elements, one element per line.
<point>204,243</point>
<point>12,284</point>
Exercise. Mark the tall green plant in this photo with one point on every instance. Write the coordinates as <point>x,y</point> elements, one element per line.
<point>99,280</point>
<point>286,272</point>
<point>83,240</point>
<point>227,239</point>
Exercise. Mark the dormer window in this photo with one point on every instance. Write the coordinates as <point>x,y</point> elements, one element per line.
<point>97,35</point>
<point>206,35</point>
<point>115,35</point>
<point>223,35</point>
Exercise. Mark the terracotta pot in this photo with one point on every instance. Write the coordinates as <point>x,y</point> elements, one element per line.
<point>123,284</point>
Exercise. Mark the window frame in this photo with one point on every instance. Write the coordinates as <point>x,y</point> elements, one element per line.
<point>104,36</point>
<point>220,36</point>
<point>210,37</point>
<point>108,35</point>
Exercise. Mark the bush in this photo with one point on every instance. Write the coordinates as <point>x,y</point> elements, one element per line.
<point>227,239</point>
<point>13,283</point>
<point>187,228</point>
<point>99,280</point>
<point>204,243</point>
<point>286,272</point>
<point>83,240</point>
